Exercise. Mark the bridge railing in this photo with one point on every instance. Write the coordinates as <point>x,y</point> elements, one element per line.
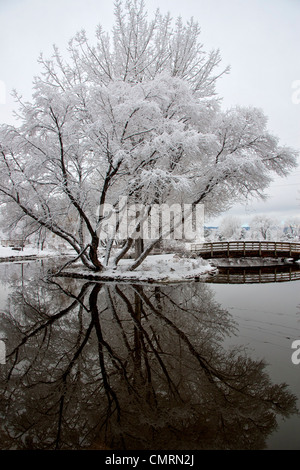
<point>246,246</point>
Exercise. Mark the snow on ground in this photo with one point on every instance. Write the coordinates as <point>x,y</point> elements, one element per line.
<point>246,262</point>
<point>169,266</point>
<point>160,268</point>
<point>250,262</point>
<point>156,268</point>
<point>10,253</point>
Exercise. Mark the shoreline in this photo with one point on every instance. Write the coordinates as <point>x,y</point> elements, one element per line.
<point>138,279</point>
<point>156,269</point>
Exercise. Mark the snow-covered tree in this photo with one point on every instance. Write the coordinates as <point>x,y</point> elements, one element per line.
<point>292,228</point>
<point>230,228</point>
<point>135,114</point>
<point>263,227</point>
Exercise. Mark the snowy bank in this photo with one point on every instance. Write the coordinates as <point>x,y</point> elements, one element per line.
<point>8,254</point>
<point>156,268</point>
<point>248,262</point>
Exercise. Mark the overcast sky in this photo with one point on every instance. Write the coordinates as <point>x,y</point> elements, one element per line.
<point>259,39</point>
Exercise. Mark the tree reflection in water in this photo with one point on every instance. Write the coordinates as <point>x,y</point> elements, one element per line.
<point>109,366</point>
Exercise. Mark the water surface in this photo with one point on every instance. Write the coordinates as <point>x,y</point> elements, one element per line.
<point>124,366</point>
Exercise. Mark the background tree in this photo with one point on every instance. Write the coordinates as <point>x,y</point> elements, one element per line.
<point>230,228</point>
<point>263,227</point>
<point>292,228</point>
<point>136,115</point>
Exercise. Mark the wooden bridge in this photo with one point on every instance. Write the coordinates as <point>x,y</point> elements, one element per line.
<point>238,249</point>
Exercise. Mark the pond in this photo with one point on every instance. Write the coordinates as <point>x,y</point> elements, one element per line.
<point>188,366</point>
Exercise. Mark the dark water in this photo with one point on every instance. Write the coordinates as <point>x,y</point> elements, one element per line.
<point>115,366</point>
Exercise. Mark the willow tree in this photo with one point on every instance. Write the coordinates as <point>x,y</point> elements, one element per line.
<point>135,114</point>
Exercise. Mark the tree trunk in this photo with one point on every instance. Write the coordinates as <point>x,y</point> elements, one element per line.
<point>137,356</point>
<point>94,254</point>
<point>123,251</point>
<point>138,247</point>
<point>144,255</point>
